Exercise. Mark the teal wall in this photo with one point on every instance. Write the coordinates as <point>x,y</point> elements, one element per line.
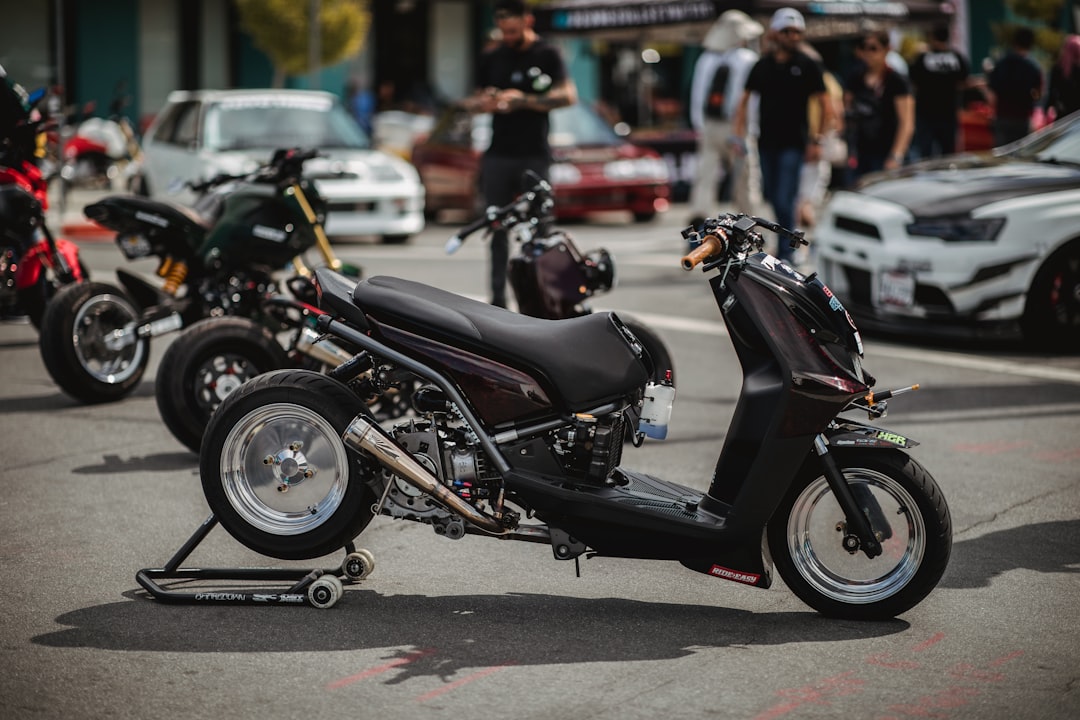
<point>106,53</point>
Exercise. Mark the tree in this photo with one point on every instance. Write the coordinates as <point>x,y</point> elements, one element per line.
<point>280,28</point>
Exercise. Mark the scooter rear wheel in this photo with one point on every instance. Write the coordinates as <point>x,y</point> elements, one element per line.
<point>205,363</point>
<point>275,471</point>
<point>907,511</point>
<point>80,345</point>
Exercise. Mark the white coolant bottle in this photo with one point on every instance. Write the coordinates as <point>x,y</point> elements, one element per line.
<point>656,410</point>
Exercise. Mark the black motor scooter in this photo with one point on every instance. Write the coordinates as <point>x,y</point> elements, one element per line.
<point>521,429</point>
<point>550,277</point>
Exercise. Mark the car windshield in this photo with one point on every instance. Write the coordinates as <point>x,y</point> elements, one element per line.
<point>1058,143</point>
<point>275,122</point>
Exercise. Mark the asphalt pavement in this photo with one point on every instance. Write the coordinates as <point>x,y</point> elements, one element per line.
<point>475,628</point>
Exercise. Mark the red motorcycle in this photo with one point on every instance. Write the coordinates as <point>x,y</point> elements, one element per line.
<point>33,263</point>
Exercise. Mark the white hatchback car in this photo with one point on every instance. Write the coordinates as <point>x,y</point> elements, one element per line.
<point>988,243</point>
<point>200,134</point>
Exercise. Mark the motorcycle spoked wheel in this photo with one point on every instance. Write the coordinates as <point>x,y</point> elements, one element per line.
<point>35,299</point>
<point>205,363</point>
<point>75,345</point>
<point>806,531</point>
<point>275,471</point>
<point>661,358</point>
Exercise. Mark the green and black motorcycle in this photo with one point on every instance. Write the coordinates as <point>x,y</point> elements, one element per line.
<point>223,257</point>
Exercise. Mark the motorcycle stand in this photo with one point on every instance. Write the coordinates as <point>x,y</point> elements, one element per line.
<point>317,588</point>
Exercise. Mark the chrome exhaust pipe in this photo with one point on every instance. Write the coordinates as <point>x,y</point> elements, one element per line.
<point>363,434</point>
<point>324,350</point>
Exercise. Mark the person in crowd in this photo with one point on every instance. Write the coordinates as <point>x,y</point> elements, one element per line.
<point>879,113</point>
<point>1063,89</point>
<point>785,80</point>
<point>1016,85</point>
<point>816,176</point>
<point>718,81</point>
<point>938,75</point>
<point>520,81</point>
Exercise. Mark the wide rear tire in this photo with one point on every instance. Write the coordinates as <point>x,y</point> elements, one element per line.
<point>275,471</point>
<point>205,363</point>
<point>77,347</point>
<point>1051,319</point>
<point>910,516</point>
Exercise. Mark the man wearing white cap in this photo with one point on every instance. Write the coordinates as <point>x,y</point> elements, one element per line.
<point>713,99</point>
<point>785,81</point>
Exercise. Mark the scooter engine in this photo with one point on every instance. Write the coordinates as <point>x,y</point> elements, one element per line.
<point>591,447</point>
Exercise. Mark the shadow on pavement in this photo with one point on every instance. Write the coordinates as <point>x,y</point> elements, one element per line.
<point>473,631</point>
<point>112,464</point>
<point>1050,547</point>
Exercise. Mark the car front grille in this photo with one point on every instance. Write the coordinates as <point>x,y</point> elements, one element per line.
<point>857,227</point>
<point>933,300</point>
<point>351,207</point>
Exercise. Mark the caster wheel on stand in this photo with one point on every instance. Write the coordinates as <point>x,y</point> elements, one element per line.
<point>325,591</point>
<point>358,564</point>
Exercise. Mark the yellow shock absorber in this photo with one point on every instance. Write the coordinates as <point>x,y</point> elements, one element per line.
<point>174,275</point>
<point>323,242</point>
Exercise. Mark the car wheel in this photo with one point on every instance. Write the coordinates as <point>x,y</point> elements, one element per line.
<point>1051,317</point>
<point>644,217</point>
<point>395,239</point>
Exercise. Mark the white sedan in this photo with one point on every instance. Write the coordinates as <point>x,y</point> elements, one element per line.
<point>200,134</point>
<point>988,243</point>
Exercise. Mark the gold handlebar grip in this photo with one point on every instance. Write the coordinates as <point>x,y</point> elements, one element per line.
<point>710,245</point>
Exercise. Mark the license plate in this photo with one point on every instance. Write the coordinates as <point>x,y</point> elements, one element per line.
<point>897,288</point>
<point>134,246</point>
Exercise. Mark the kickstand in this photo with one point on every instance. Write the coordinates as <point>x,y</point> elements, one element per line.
<point>317,588</point>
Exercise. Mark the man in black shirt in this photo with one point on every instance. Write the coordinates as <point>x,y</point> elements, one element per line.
<point>786,80</point>
<point>1016,83</point>
<point>938,76</point>
<point>520,81</point>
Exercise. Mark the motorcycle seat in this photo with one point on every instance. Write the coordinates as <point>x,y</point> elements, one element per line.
<point>133,214</point>
<point>586,360</point>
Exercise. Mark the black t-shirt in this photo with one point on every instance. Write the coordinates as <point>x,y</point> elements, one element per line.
<point>1017,82</point>
<point>784,89</point>
<point>533,70</point>
<point>872,118</point>
<point>936,77</point>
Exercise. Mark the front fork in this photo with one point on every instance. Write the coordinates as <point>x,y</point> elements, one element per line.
<point>859,534</point>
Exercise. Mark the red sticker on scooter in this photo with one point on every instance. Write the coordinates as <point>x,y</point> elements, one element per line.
<point>734,575</point>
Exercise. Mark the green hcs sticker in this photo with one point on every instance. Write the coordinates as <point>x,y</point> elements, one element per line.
<point>892,437</point>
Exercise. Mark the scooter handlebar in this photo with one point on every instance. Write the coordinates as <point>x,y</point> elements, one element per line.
<point>711,245</point>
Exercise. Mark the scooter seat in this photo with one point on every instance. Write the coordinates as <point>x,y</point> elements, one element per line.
<point>587,360</point>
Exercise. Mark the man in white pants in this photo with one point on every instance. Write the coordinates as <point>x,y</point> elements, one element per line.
<point>725,44</point>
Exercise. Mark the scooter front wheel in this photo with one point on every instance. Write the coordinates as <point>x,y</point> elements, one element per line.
<point>89,344</point>
<point>275,471</point>
<point>908,513</point>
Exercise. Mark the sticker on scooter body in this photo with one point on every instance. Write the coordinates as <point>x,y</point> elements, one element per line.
<point>734,575</point>
<point>852,434</point>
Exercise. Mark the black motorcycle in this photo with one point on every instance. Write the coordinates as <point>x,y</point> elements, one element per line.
<point>220,258</point>
<point>514,427</point>
<point>550,277</point>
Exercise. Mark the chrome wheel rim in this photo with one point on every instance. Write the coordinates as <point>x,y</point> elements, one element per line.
<point>815,531</point>
<point>96,320</point>
<point>265,462</point>
<point>218,376</point>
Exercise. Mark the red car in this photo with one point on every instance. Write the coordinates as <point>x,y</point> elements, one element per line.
<point>594,170</point>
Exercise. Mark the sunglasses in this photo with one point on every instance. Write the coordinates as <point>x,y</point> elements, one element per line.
<point>791,31</point>
<point>871,48</point>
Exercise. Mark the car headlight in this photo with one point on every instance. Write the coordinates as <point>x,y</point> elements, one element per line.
<point>565,174</point>
<point>958,228</point>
